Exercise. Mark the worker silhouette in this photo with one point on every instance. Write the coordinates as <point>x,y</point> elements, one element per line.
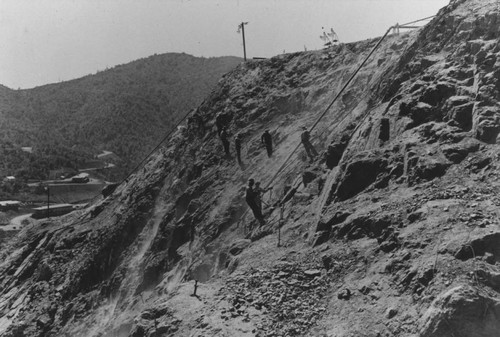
<point>250,198</point>
<point>224,137</point>
<point>267,140</point>
<point>237,146</point>
<point>305,139</point>
<point>199,122</point>
<point>220,122</point>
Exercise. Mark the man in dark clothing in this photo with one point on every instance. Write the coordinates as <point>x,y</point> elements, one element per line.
<point>310,150</point>
<point>250,199</point>
<point>220,122</point>
<point>268,142</point>
<point>200,124</point>
<point>225,141</point>
<point>237,145</point>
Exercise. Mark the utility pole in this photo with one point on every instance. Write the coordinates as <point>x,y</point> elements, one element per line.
<point>242,27</point>
<point>280,222</point>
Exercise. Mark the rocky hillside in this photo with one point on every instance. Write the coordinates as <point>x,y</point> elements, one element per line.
<point>393,230</point>
<point>126,109</point>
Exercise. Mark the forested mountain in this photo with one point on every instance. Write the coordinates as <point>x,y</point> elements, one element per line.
<point>126,109</point>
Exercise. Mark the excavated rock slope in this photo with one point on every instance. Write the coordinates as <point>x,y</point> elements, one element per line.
<point>393,232</point>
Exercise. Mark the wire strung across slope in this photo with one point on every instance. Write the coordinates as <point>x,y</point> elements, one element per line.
<point>283,165</point>
<point>280,169</point>
<point>411,22</point>
<point>341,91</point>
<point>138,166</point>
<point>330,105</point>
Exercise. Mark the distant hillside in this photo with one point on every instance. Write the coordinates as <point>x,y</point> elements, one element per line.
<point>126,109</point>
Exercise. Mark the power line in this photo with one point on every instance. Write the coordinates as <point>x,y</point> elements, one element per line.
<point>280,169</point>
<point>331,104</point>
<point>409,23</point>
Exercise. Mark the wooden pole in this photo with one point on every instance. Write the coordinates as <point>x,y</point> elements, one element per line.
<point>244,46</point>
<point>280,223</point>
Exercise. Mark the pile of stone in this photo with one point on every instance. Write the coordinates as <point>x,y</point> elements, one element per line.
<point>292,298</point>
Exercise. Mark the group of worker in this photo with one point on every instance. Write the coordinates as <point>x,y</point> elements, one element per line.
<point>224,137</point>
<point>253,194</point>
<point>267,141</point>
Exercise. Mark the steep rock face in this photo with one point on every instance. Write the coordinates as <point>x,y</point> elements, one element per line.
<point>394,232</point>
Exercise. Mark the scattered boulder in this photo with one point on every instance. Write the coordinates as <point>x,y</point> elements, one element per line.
<point>312,272</point>
<point>489,258</point>
<point>44,321</point>
<point>344,294</point>
<point>365,290</point>
<point>489,277</point>
<point>390,313</point>
<point>479,246</point>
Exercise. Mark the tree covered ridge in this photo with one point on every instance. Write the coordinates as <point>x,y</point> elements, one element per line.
<point>126,109</point>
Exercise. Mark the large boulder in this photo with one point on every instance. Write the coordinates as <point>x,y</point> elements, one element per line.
<point>360,173</point>
<point>459,151</point>
<point>462,311</point>
<point>486,123</point>
<point>459,111</point>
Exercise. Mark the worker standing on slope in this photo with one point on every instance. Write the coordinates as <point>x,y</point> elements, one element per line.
<point>310,150</point>
<point>220,122</point>
<point>199,122</point>
<point>224,137</point>
<point>250,199</point>
<point>237,145</point>
<point>267,140</point>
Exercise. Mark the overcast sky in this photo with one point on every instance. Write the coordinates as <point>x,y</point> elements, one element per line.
<point>47,41</point>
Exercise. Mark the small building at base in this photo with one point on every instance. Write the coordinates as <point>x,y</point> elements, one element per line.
<point>81,178</point>
<point>9,205</point>
<point>53,210</point>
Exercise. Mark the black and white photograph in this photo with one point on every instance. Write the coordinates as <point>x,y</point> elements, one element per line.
<point>253,168</point>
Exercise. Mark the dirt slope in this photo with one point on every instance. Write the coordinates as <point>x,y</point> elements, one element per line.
<point>395,234</point>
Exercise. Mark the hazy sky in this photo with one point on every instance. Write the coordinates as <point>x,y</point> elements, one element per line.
<point>46,41</point>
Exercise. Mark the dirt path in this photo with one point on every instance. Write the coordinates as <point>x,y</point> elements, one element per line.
<point>17,222</point>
